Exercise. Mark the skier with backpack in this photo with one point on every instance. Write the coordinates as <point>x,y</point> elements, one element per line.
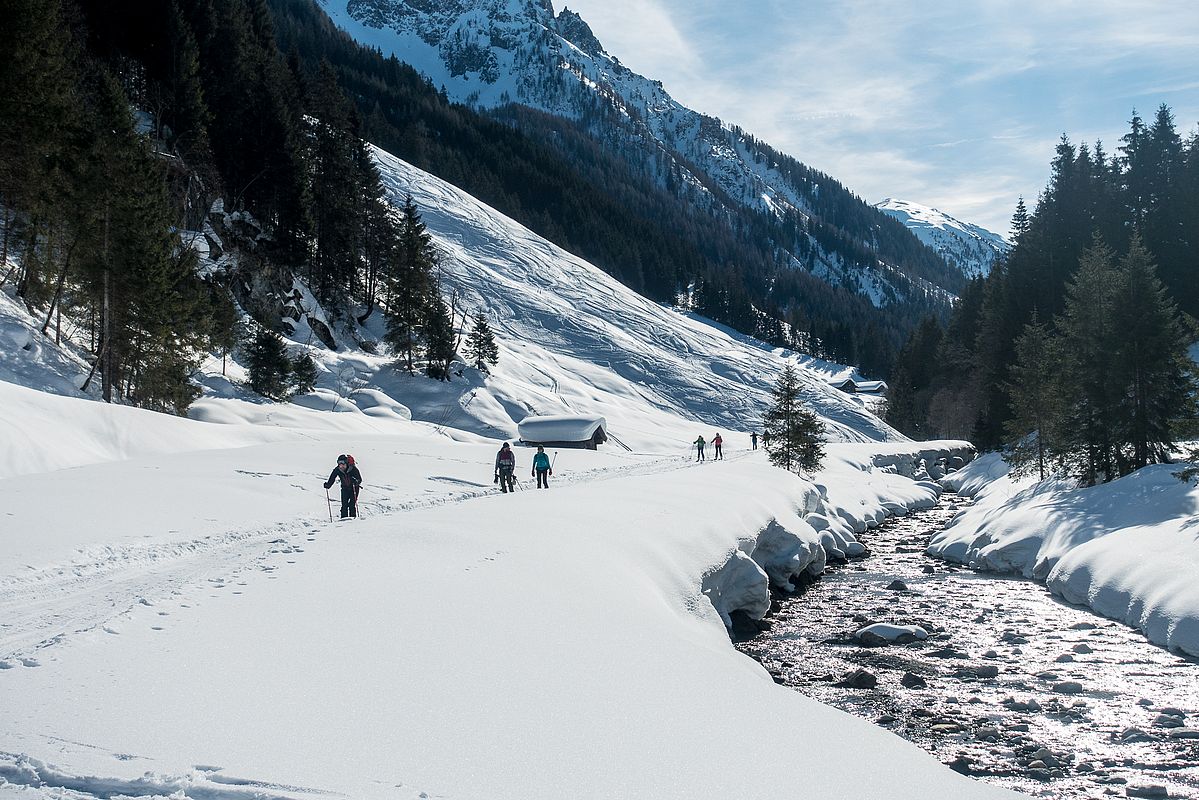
<point>505,469</point>
<point>346,472</point>
<point>718,442</point>
<point>699,448</point>
<point>542,468</point>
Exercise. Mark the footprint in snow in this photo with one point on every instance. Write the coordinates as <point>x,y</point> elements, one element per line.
<point>6,665</point>
<point>31,662</point>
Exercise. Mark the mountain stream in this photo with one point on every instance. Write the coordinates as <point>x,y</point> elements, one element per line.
<point>1012,686</point>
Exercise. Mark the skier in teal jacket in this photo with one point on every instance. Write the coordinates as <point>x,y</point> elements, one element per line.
<point>542,469</point>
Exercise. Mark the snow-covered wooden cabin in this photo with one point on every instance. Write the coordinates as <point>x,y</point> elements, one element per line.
<point>845,384</point>
<point>871,387</point>
<point>582,431</point>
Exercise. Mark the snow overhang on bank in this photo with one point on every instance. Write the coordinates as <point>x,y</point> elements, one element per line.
<point>1127,549</point>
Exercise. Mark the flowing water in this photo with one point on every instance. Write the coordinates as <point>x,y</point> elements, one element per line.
<point>1012,686</point>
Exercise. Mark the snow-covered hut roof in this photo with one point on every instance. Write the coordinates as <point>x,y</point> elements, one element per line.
<point>561,428</point>
<point>844,384</point>
<point>871,387</point>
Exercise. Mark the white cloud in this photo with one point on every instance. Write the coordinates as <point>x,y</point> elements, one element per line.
<point>953,104</point>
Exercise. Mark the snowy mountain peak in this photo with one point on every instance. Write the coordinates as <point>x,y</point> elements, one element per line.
<point>967,247</point>
<point>575,30</point>
<point>491,53</point>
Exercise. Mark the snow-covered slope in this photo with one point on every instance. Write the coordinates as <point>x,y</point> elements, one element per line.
<point>965,246</point>
<point>573,339</point>
<point>488,53</point>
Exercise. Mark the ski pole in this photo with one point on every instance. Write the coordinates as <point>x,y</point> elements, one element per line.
<point>329,500</point>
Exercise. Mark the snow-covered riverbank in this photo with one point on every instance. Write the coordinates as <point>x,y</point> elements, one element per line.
<point>1128,549</point>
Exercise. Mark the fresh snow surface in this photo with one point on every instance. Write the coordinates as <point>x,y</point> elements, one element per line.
<point>221,640</point>
<point>574,340</point>
<point>1128,549</point>
<point>970,248</point>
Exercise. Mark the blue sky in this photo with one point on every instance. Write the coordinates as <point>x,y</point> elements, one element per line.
<point>954,105</point>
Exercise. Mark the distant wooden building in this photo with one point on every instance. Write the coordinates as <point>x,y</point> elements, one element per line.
<point>850,386</point>
<point>582,431</point>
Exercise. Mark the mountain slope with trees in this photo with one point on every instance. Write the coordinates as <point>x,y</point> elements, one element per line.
<point>1080,335</point>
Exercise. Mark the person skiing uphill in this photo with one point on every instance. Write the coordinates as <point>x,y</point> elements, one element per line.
<point>699,448</point>
<point>505,469</point>
<point>542,468</point>
<point>351,479</point>
<point>718,442</point>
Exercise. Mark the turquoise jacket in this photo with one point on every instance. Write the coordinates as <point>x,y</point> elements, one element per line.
<point>541,462</point>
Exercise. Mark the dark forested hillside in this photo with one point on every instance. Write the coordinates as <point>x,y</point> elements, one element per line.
<point>556,178</point>
<point>1097,297</point>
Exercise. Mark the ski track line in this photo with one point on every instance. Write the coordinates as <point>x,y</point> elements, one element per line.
<point>51,605</point>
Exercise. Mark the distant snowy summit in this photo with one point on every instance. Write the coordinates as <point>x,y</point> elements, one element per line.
<point>967,247</point>
<point>492,53</point>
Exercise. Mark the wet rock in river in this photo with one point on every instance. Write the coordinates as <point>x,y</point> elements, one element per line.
<point>1067,687</point>
<point>1083,626</point>
<point>1174,712</point>
<point>1047,676</point>
<point>987,671</point>
<point>1133,734</point>
<point>1030,704</point>
<point>948,652</point>
<point>897,586</point>
<point>881,634</point>
<point>1082,647</point>
<point>1168,721</point>
<point>928,569</point>
<point>1153,790</point>
<point>912,681</point>
<point>859,679</point>
<point>1184,733</point>
<point>1064,658</point>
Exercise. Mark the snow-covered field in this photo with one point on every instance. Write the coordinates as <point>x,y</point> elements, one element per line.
<point>1128,549</point>
<point>179,617</point>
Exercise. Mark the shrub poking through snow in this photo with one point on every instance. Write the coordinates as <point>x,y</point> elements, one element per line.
<point>793,435</point>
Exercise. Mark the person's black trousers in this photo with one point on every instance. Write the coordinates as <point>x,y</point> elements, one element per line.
<point>543,479</point>
<point>349,504</point>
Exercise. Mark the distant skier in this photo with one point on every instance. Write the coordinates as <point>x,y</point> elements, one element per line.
<point>753,437</point>
<point>505,469</point>
<point>351,480</point>
<point>699,449</point>
<point>718,442</point>
<point>542,469</point>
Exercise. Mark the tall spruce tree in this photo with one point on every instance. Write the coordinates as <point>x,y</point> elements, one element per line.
<point>268,366</point>
<point>1090,394</point>
<point>410,287</point>
<point>793,435</point>
<point>441,342</point>
<point>1035,389</point>
<point>481,349</point>
<point>1151,371</point>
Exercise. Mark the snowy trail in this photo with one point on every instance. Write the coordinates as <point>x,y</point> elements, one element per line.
<point>546,645</point>
<point>43,607</point>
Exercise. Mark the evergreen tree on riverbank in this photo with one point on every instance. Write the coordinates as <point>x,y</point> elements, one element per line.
<point>792,434</point>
